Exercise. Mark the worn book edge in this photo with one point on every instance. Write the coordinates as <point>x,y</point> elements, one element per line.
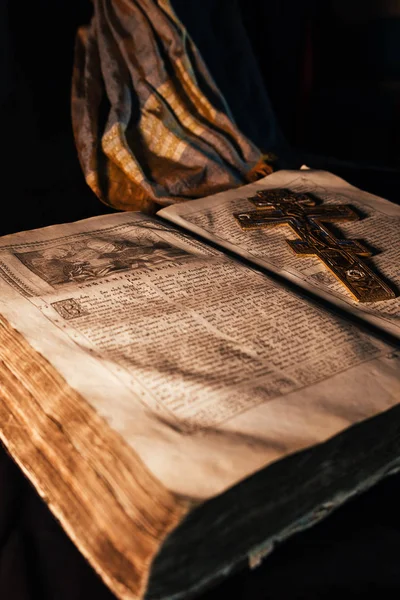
<point>307,486</point>
<point>114,510</point>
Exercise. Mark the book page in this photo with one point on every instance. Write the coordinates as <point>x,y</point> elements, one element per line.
<point>378,229</point>
<point>208,369</point>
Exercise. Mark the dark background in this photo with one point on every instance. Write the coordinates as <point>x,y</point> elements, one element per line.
<point>317,82</point>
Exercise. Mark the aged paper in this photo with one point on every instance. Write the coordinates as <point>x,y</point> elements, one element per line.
<point>378,228</point>
<point>208,369</point>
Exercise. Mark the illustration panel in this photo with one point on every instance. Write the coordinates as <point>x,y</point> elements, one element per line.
<point>97,257</point>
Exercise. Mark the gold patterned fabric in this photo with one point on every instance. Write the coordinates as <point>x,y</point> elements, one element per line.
<point>150,125</point>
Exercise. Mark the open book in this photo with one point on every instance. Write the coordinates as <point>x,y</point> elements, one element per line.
<point>185,393</point>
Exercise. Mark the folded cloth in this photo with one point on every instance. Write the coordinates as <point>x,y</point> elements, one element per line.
<point>150,125</point>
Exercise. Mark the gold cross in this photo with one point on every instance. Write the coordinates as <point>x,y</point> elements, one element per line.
<point>305,217</point>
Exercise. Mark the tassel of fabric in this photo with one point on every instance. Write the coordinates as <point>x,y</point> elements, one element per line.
<point>260,170</point>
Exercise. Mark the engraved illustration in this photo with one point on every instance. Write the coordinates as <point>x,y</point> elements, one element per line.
<point>302,212</point>
<point>96,257</point>
<point>68,309</point>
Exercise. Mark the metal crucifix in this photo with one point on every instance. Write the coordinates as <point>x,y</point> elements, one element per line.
<point>303,214</point>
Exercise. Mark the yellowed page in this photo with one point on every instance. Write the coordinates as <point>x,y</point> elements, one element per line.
<point>207,369</point>
<point>379,227</point>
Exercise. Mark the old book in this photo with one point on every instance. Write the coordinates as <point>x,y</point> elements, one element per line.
<point>185,393</point>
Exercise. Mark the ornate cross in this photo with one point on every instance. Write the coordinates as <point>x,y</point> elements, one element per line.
<point>305,217</point>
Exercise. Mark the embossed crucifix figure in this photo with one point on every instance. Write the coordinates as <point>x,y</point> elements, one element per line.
<point>305,215</point>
